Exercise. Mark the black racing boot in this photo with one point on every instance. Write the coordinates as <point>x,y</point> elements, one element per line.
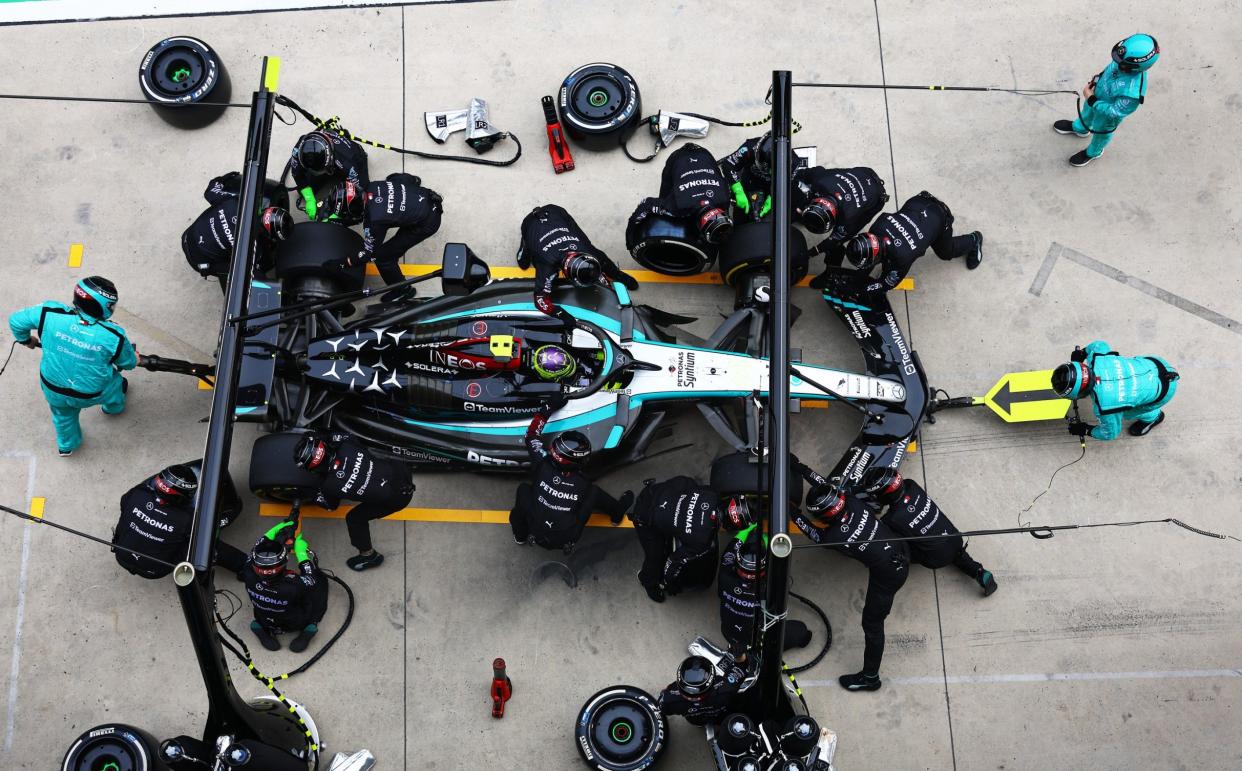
<point>361,562</point>
<point>1067,127</point>
<point>860,681</point>
<point>1143,428</point>
<point>124,385</point>
<point>1080,158</point>
<point>975,256</point>
<point>626,501</point>
<point>987,581</point>
<point>268,639</point>
<point>299,643</point>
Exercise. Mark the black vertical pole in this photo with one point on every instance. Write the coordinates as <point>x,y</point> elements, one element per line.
<point>227,713</point>
<point>772,701</point>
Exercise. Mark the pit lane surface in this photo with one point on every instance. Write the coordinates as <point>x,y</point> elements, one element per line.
<point>1086,657</point>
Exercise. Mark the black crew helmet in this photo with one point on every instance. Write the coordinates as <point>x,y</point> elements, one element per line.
<point>1073,380</point>
<point>820,215</point>
<point>715,226</point>
<point>737,515</point>
<point>763,156</point>
<point>314,152</point>
<point>882,484</point>
<point>571,448</point>
<point>864,250</point>
<point>312,453</point>
<point>695,676</point>
<point>346,200</point>
<point>582,269</point>
<point>95,296</point>
<point>276,223</point>
<point>824,501</point>
<point>268,557</point>
<point>177,482</point>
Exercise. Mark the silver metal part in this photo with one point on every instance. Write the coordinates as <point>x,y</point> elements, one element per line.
<point>443,124</point>
<point>362,760</point>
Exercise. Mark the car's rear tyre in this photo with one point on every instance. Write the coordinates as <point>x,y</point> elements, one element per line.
<point>274,475</point>
<point>749,249</point>
<point>179,72</point>
<point>621,729</point>
<point>113,746</point>
<point>734,474</point>
<point>300,259</point>
<point>672,247</point>
<point>599,105</point>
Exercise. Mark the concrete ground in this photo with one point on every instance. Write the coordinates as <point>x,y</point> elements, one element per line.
<point>1107,648</point>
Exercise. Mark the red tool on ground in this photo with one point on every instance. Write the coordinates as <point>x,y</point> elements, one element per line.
<point>502,688</point>
<point>558,145</point>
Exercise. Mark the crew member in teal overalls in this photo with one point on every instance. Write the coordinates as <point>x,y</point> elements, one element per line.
<point>1121,388</point>
<point>83,355</point>
<point>1111,96</point>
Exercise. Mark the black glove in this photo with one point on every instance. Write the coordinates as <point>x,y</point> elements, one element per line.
<point>820,281</point>
<point>1079,355</point>
<point>656,593</point>
<point>556,401</point>
<point>1078,428</point>
<point>628,281</point>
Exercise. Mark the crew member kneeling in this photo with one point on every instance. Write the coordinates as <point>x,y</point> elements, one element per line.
<point>701,694</point>
<point>1121,388</point>
<point>691,188</point>
<point>284,601</point>
<point>552,509</point>
<point>676,522</point>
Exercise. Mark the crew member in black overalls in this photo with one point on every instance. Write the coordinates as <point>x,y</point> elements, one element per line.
<point>552,509</point>
<point>700,694</point>
<point>676,522</point>
<point>284,600</point>
<point>322,158</point>
<point>691,188</point>
<point>838,202</point>
<point>208,242</point>
<point>348,471</point>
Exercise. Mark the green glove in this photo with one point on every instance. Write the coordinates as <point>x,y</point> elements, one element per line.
<point>275,531</point>
<point>739,196</point>
<point>308,197</point>
<point>767,207</point>
<point>301,549</point>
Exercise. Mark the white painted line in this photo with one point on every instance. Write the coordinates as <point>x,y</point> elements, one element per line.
<point>15,667</point>
<point>83,10</point>
<point>1049,677</point>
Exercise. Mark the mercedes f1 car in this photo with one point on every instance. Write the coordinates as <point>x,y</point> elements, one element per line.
<point>449,382</point>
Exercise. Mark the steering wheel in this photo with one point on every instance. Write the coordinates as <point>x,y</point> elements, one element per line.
<point>622,361</point>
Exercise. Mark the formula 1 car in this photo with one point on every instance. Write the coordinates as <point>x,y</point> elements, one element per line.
<point>447,383</point>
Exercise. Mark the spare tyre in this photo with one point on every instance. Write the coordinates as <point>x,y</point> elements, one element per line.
<point>274,475</point>
<point>114,746</point>
<point>672,247</point>
<point>599,105</point>
<point>303,254</point>
<point>749,249</point>
<point>735,474</point>
<point>621,729</point>
<point>184,79</point>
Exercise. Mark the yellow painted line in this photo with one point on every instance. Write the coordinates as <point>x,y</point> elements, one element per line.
<point>203,386</point>
<point>913,446</point>
<point>463,516</point>
<point>75,255</point>
<point>816,404</point>
<point>271,73</point>
<point>642,276</point>
<point>36,507</point>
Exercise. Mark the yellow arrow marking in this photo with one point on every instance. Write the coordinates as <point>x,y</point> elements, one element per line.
<point>75,255</point>
<point>1021,397</point>
<point>468,516</point>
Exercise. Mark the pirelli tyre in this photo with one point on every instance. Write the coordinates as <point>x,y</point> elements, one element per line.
<point>599,105</point>
<point>302,256</point>
<point>178,75</point>
<point>621,729</point>
<point>749,249</point>
<point>112,746</point>
<point>672,247</point>
<point>735,474</point>
<point>274,475</point>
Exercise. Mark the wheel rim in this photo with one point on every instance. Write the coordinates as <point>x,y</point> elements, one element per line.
<point>178,71</point>
<point>599,97</point>
<point>622,730</point>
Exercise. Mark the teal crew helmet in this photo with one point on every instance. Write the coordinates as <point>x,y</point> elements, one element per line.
<point>1136,53</point>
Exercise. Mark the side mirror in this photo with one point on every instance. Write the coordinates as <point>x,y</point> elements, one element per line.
<point>463,271</point>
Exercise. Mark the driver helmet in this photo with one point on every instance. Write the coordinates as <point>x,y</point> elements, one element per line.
<point>277,224</point>
<point>582,269</point>
<point>823,502</point>
<point>1136,53</point>
<point>346,200</point>
<point>864,250</point>
<point>552,362</point>
<point>737,515</point>
<point>571,448</point>
<point>695,676</point>
<point>314,152</point>
<point>177,483</point>
<point>1073,380</point>
<point>96,297</point>
<point>820,215</point>
<point>313,454</point>
<point>268,557</point>
<point>762,162</point>
<point>715,226</point>
<point>883,484</point>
